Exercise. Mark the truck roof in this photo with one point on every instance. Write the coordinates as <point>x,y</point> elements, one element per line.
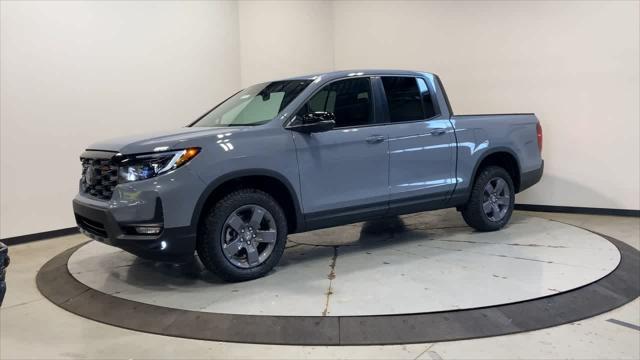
<point>344,73</point>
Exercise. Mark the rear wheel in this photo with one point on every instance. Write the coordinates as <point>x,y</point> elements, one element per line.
<point>243,235</point>
<point>492,198</point>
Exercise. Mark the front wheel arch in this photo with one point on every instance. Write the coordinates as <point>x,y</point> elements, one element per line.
<point>265,180</point>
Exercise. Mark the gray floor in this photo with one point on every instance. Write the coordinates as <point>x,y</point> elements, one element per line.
<point>31,327</point>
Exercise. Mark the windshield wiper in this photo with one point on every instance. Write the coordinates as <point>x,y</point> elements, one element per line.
<point>250,124</point>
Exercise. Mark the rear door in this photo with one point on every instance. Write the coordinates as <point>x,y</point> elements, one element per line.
<point>421,146</point>
<point>344,173</point>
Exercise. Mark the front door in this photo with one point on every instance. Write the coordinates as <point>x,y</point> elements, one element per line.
<point>344,172</point>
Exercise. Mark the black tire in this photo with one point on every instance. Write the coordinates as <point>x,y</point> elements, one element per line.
<point>473,211</point>
<point>210,233</point>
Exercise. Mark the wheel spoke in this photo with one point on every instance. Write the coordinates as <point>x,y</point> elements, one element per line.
<point>235,222</point>
<point>252,255</point>
<point>256,218</point>
<point>503,200</point>
<point>486,206</point>
<point>232,248</point>
<point>268,236</point>
<point>500,185</point>
<point>496,211</point>
<point>489,188</point>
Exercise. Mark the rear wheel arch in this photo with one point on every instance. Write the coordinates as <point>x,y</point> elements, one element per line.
<point>504,158</point>
<point>268,181</point>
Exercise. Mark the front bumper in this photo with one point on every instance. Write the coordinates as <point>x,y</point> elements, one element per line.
<point>171,245</point>
<point>167,201</point>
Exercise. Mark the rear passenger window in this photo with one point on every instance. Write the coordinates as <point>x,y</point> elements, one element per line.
<point>408,99</point>
<point>427,100</point>
<point>349,100</point>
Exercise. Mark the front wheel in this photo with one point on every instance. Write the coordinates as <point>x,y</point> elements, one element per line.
<point>243,236</point>
<point>491,202</point>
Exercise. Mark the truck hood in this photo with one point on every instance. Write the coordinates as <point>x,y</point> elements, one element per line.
<point>172,139</point>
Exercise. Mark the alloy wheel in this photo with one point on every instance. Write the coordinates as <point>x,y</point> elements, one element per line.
<point>496,199</point>
<point>248,236</point>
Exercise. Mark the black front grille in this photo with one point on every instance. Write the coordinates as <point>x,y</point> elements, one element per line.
<point>99,177</point>
<point>91,226</point>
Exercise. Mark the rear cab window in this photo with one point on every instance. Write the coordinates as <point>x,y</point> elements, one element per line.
<point>408,98</point>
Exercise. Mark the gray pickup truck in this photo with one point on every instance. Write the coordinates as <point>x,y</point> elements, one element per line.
<point>300,154</point>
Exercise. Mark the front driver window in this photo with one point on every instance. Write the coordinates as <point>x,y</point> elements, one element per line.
<point>349,100</point>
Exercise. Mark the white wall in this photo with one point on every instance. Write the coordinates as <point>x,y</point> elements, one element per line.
<point>575,64</point>
<point>76,72</point>
<point>280,39</point>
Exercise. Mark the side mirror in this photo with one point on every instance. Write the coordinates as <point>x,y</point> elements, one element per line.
<point>318,121</point>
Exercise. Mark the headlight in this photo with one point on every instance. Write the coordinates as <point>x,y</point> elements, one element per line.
<point>145,166</point>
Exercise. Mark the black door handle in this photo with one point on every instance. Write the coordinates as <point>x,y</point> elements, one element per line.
<point>438,131</point>
<point>374,139</point>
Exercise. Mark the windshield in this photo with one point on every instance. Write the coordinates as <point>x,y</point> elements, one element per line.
<point>255,105</point>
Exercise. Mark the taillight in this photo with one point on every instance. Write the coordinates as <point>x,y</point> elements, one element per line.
<point>539,132</point>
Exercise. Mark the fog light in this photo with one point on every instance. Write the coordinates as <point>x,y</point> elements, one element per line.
<point>149,230</point>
